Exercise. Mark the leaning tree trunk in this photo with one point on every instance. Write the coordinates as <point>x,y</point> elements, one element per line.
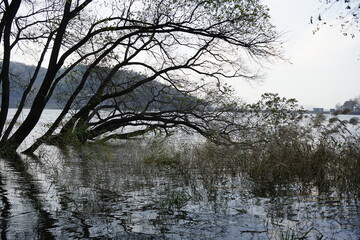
<point>6,24</point>
<point>10,146</point>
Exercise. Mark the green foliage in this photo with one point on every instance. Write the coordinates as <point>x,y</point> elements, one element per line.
<point>275,109</point>
<point>174,201</point>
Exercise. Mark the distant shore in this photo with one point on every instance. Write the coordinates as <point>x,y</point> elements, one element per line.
<point>332,112</point>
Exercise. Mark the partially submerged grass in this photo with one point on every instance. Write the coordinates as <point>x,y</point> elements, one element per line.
<point>312,152</point>
<point>159,154</point>
<point>174,201</point>
<point>279,146</point>
<point>281,154</point>
<point>282,160</point>
<point>328,161</point>
<point>315,154</point>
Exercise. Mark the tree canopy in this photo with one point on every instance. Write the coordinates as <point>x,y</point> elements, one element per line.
<point>100,53</point>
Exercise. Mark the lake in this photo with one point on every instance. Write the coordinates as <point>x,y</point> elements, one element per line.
<point>120,191</point>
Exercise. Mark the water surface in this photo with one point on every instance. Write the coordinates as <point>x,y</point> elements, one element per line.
<point>124,197</point>
<point>119,192</point>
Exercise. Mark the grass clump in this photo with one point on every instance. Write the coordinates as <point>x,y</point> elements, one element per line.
<point>160,153</point>
<point>174,201</point>
<point>323,155</point>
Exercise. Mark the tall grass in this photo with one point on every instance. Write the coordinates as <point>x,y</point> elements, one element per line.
<point>284,147</point>
<point>323,155</point>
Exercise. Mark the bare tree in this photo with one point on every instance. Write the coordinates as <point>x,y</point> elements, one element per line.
<point>345,12</point>
<point>187,46</point>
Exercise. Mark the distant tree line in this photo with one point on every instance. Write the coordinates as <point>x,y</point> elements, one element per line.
<point>352,104</point>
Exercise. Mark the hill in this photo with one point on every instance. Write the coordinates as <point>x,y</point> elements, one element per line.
<point>153,95</point>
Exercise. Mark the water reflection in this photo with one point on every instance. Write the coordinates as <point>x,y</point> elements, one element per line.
<point>23,215</point>
<point>113,192</point>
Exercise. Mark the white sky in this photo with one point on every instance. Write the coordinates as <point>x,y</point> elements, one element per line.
<point>324,68</point>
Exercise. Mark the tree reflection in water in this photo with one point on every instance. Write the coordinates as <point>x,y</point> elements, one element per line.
<point>123,191</point>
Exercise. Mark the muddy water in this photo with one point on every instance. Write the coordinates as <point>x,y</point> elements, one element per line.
<point>116,194</point>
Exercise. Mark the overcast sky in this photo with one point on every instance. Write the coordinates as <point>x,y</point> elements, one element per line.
<point>324,68</point>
